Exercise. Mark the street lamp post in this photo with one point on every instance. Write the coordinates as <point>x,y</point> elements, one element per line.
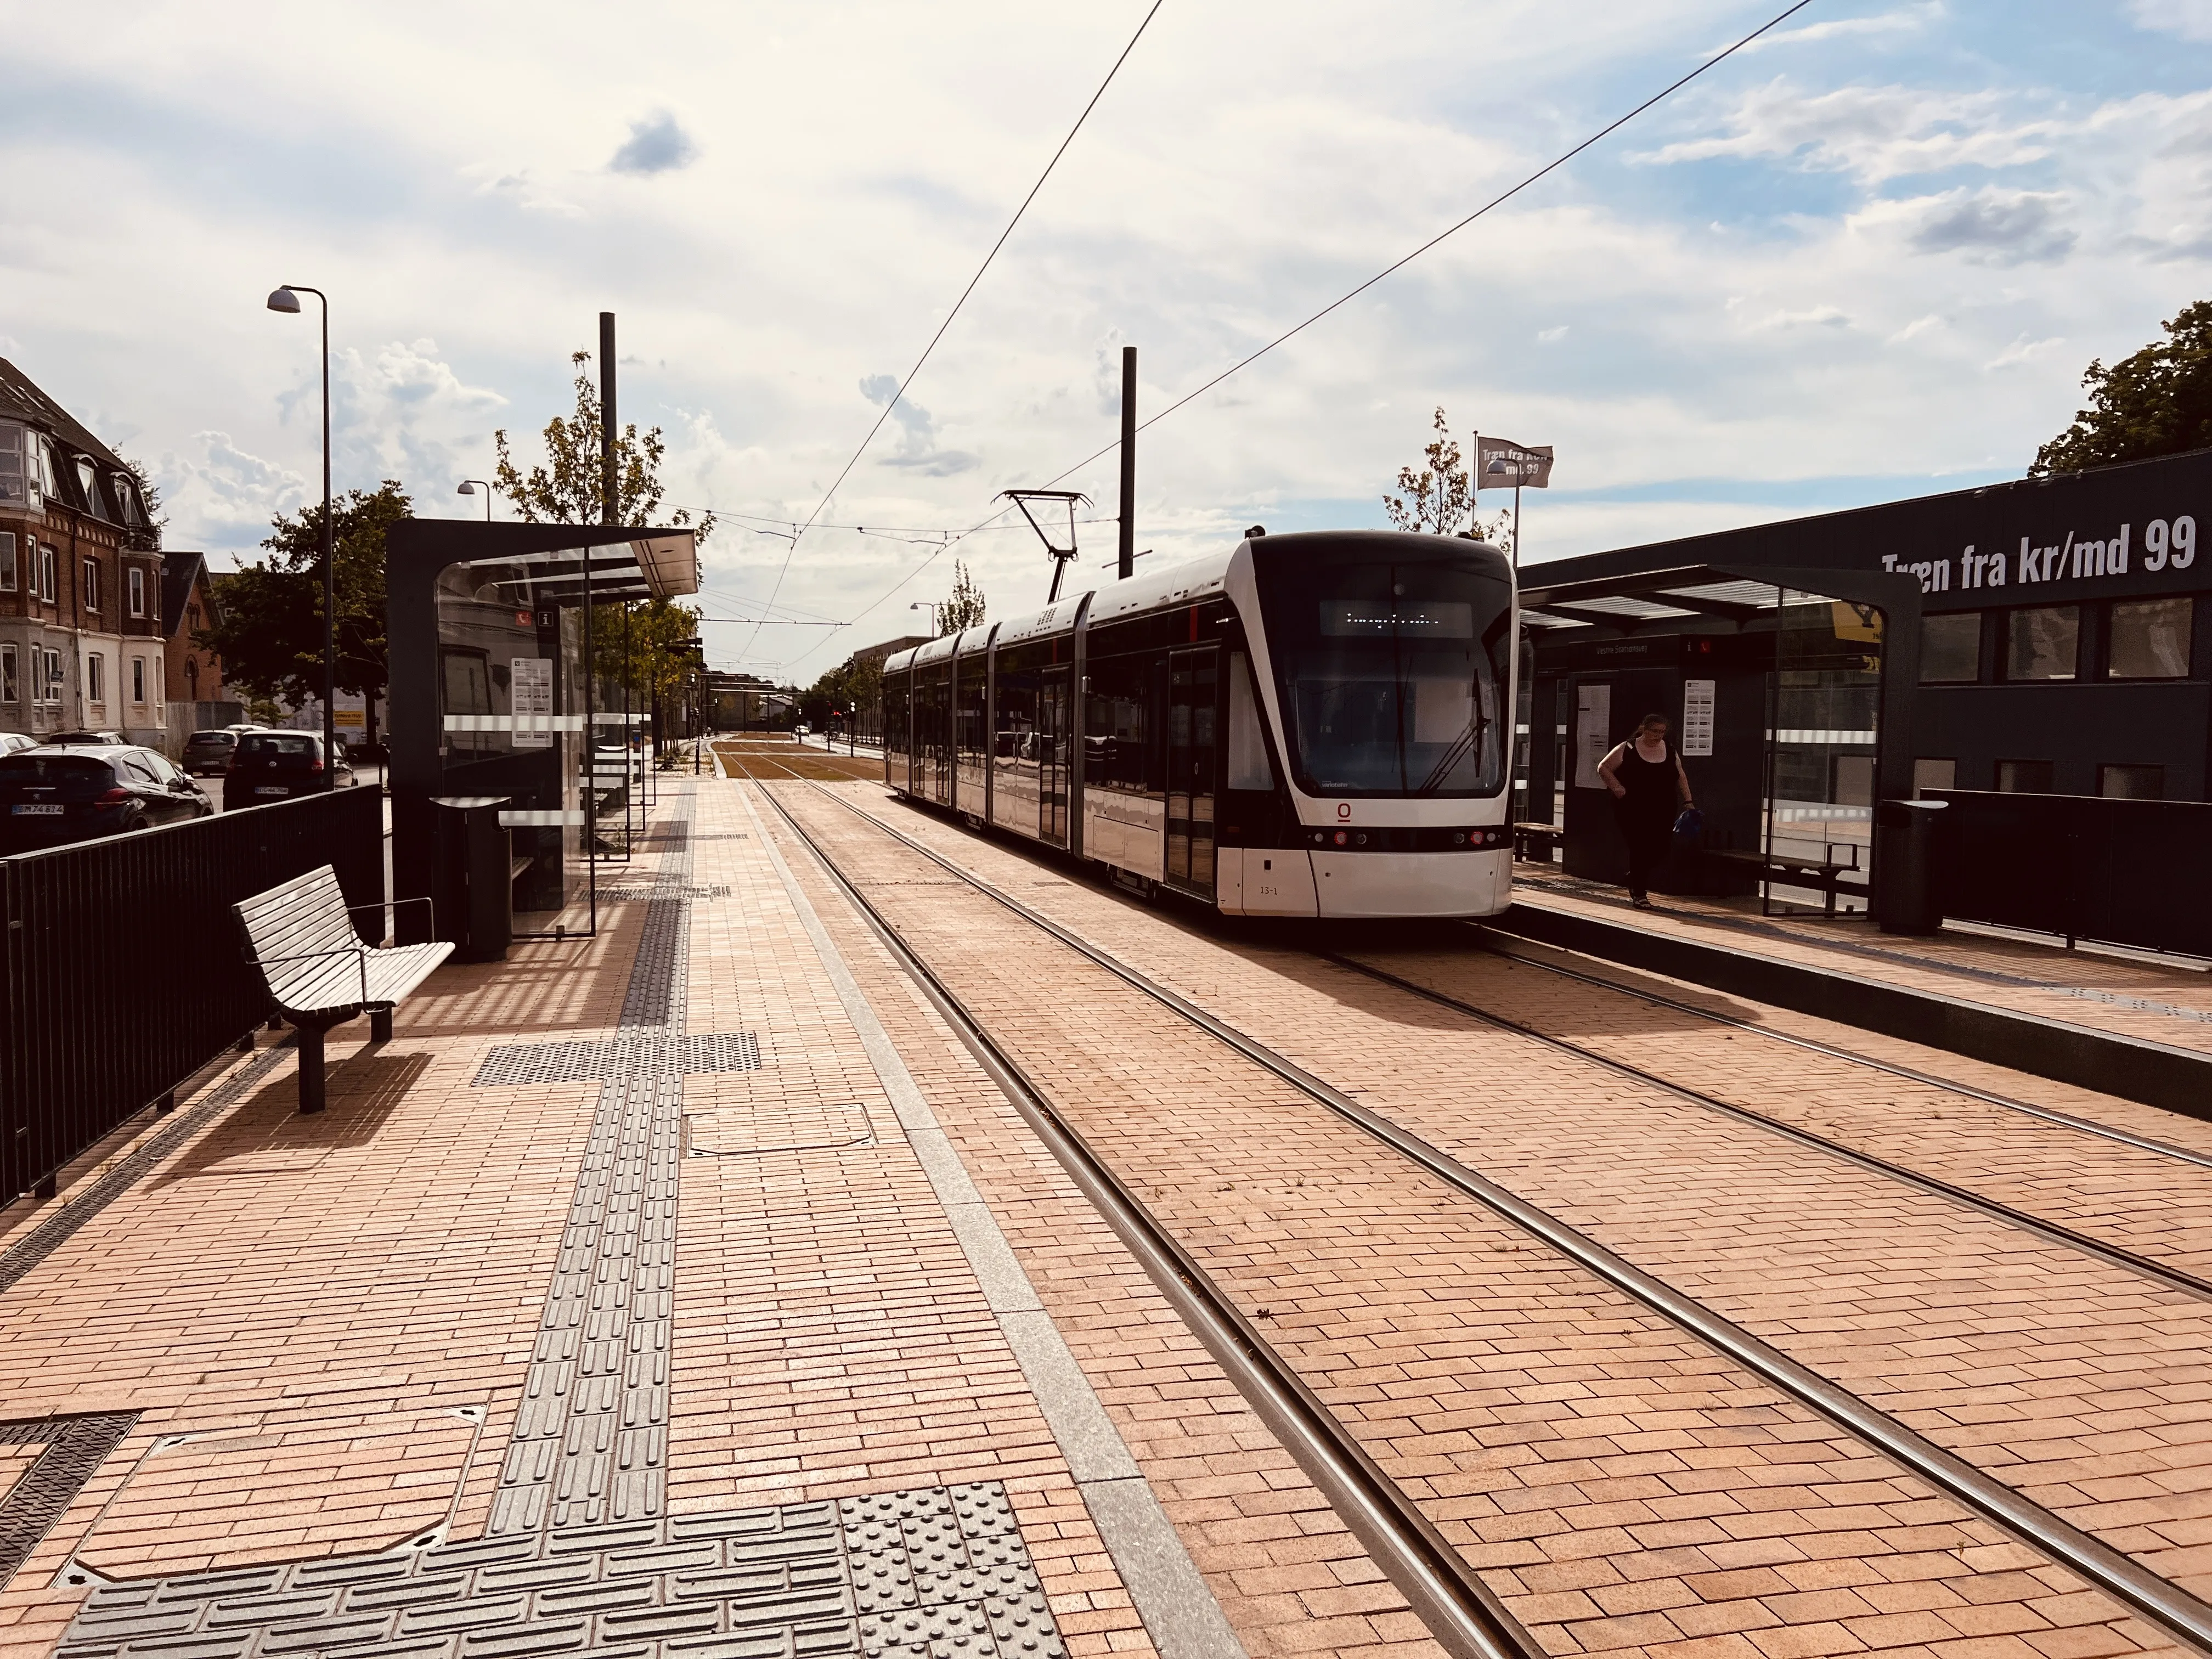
<point>930,605</point>
<point>286,299</point>
<point>470,486</point>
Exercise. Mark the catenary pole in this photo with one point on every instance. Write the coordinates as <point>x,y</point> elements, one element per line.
<point>1127,566</point>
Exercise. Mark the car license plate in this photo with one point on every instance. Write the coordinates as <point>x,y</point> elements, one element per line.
<point>38,811</point>
<point>270,789</point>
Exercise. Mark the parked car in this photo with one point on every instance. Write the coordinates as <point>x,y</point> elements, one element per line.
<point>88,739</point>
<point>207,753</point>
<point>11,741</point>
<point>49,797</point>
<point>274,766</point>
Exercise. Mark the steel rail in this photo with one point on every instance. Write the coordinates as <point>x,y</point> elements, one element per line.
<point>1460,1610</point>
<point>2057,1232</point>
<point>2173,1608</point>
<point>1491,939</point>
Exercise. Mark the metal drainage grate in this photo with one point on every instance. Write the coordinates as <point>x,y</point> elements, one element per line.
<point>75,1447</point>
<point>525,1065</point>
<point>660,893</point>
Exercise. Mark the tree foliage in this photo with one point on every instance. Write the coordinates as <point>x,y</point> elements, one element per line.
<point>850,686</point>
<point>269,632</point>
<point>568,491</point>
<point>1439,498</point>
<point>964,609</point>
<point>2158,402</point>
<point>646,656</point>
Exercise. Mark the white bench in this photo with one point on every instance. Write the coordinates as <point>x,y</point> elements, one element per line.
<point>318,972</point>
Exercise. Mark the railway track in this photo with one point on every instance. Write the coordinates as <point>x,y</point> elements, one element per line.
<point>1392,1524</point>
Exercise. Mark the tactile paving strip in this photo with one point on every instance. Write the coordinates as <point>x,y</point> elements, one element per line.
<point>938,1571</point>
<point>514,1065</point>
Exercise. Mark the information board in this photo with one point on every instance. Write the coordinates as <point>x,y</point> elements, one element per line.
<point>1698,717</point>
<point>531,692</point>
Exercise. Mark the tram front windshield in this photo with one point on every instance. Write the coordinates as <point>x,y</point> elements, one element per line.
<point>1390,660</point>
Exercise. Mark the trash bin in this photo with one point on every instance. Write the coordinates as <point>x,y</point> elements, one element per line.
<point>1904,896</point>
<point>473,893</point>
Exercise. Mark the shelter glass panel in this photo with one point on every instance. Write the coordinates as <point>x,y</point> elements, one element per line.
<point>2150,639</point>
<point>2044,643</point>
<point>1951,648</point>
<point>1823,736</point>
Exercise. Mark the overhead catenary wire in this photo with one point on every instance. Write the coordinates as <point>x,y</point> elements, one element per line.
<point>1344,299</point>
<point>900,391</point>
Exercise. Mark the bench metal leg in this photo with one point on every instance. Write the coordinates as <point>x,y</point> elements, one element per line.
<point>165,1104</point>
<point>311,1069</point>
<point>379,1026</point>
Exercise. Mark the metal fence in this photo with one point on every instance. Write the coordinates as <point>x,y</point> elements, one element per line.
<point>2120,872</point>
<point>122,973</point>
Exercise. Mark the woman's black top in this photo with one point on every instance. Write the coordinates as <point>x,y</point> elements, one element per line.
<point>1652,791</point>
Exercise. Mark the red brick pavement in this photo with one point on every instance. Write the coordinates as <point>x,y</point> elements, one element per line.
<point>1622,1481</point>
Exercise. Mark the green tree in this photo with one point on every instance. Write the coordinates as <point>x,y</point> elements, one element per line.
<point>568,491</point>
<point>270,634</point>
<point>848,686</point>
<point>2159,402</point>
<point>645,656</point>
<point>964,609</point>
<point>1439,498</point>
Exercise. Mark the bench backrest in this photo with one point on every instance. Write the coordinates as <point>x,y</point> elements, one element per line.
<point>291,931</point>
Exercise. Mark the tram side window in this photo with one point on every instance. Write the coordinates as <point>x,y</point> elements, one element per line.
<point>895,699</point>
<point>1114,725</point>
<point>1016,714</point>
<point>2131,782</point>
<point>1248,743</point>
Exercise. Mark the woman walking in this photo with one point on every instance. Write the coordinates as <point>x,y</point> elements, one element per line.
<point>1649,787</point>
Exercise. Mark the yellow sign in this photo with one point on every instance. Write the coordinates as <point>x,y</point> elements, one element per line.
<point>349,717</point>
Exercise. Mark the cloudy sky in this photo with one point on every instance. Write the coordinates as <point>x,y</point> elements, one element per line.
<point>1867,258</point>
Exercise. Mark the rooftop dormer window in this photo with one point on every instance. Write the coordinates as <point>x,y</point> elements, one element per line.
<point>14,484</point>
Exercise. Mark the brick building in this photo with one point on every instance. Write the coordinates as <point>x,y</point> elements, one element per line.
<point>194,674</point>
<point>80,633</point>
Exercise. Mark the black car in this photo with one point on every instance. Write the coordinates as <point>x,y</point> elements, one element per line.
<point>207,753</point>
<point>274,766</point>
<point>51,796</point>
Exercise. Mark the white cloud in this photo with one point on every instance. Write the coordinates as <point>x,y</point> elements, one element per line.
<point>430,167</point>
<point>2190,19</point>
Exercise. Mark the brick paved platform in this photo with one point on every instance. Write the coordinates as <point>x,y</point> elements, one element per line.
<point>2168,1002</point>
<point>691,1290</point>
<point>622,1304</point>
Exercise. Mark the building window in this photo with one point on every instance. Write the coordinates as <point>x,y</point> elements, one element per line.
<point>192,678</point>
<point>137,679</point>
<point>49,567</point>
<point>7,562</point>
<point>2043,644</point>
<point>2131,782</point>
<point>14,482</point>
<point>2150,639</point>
<point>95,678</point>
<point>137,580</point>
<point>52,677</point>
<point>1928,775</point>
<point>92,585</point>
<point>1951,648</point>
<point>2025,777</point>
<point>8,691</point>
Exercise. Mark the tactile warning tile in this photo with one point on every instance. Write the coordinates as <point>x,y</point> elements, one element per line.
<point>938,1571</point>
<point>518,1064</point>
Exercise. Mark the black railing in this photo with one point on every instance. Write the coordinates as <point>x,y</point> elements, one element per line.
<point>123,974</point>
<point>2120,872</point>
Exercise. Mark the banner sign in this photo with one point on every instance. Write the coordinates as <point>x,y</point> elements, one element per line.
<point>1499,465</point>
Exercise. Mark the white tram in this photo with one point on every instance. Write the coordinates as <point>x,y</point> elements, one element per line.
<point>1313,724</point>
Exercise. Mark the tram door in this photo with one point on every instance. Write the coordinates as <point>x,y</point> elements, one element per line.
<point>1051,741</point>
<point>1194,686</point>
